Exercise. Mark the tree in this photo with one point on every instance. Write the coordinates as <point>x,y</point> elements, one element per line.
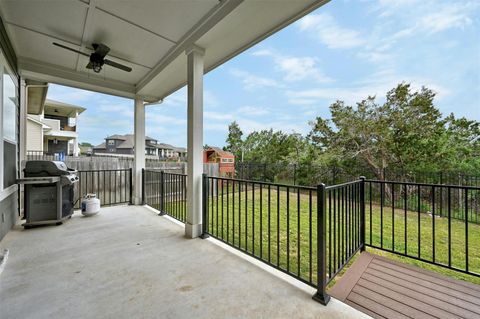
<point>404,132</point>
<point>461,145</point>
<point>86,144</point>
<point>234,140</point>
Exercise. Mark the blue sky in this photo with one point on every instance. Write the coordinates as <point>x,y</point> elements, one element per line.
<point>347,50</point>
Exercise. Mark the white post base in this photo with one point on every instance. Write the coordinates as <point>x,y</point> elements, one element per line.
<point>193,231</point>
<point>137,201</point>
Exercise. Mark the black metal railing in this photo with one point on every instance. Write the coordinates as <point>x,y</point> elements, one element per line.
<point>166,192</point>
<point>312,233</point>
<point>433,223</point>
<point>344,220</point>
<point>274,223</point>
<point>112,186</point>
<point>312,174</point>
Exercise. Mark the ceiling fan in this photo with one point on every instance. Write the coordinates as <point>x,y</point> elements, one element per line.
<point>97,58</point>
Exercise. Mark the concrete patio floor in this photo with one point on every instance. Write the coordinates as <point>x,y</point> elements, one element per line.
<point>127,262</point>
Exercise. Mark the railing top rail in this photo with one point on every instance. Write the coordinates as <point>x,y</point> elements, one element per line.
<point>342,185</point>
<point>422,184</point>
<point>158,171</point>
<point>263,183</point>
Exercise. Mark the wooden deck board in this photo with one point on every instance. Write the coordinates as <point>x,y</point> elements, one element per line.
<point>383,288</point>
<point>428,277</point>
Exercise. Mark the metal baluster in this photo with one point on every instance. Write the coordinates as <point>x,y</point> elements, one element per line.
<point>466,229</point>
<point>288,229</point>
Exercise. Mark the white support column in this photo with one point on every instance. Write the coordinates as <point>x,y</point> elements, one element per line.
<point>23,139</point>
<point>193,227</point>
<point>23,124</point>
<point>139,150</point>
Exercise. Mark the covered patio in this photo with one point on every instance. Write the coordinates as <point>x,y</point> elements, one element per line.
<point>128,262</point>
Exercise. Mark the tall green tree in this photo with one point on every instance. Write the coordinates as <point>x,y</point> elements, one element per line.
<point>234,140</point>
<point>403,132</point>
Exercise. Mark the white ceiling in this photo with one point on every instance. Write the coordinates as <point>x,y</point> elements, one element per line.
<point>150,36</point>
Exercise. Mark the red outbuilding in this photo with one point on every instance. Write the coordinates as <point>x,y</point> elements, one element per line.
<point>225,160</point>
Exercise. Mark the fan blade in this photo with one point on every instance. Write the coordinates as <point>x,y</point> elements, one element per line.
<point>117,65</point>
<point>101,49</point>
<point>70,49</point>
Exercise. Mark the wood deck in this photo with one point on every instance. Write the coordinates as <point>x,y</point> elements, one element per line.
<point>383,288</point>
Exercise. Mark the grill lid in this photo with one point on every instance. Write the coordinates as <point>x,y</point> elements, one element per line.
<point>46,168</point>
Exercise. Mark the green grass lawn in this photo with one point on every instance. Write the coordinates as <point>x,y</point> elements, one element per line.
<point>283,238</point>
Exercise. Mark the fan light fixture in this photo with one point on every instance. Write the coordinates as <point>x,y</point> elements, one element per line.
<point>97,58</point>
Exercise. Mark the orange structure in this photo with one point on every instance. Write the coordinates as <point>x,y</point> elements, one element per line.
<point>225,160</point>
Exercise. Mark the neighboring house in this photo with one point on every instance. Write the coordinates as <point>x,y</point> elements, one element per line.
<point>180,152</point>
<point>53,129</point>
<point>225,159</point>
<point>124,145</point>
<point>167,151</point>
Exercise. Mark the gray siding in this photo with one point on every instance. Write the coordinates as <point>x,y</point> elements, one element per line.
<point>8,213</point>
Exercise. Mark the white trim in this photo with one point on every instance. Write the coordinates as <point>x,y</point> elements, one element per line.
<point>317,4</point>
<point>8,191</point>
<point>31,119</point>
<point>207,22</point>
<point>40,71</point>
<point>87,30</point>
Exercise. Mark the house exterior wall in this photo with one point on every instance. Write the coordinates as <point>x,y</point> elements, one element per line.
<point>127,151</point>
<point>34,136</point>
<point>9,133</point>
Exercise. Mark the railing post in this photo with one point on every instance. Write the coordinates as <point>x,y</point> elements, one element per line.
<point>362,213</point>
<point>131,186</point>
<point>162,193</point>
<point>204,206</point>
<point>321,295</point>
<point>143,186</point>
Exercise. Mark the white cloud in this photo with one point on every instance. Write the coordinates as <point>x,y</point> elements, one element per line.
<point>252,111</point>
<point>70,95</point>
<point>324,27</point>
<point>427,16</point>
<point>210,99</point>
<point>125,110</point>
<point>377,84</point>
<point>217,116</point>
<point>157,119</point>
<point>252,82</point>
<point>449,16</point>
<point>296,68</point>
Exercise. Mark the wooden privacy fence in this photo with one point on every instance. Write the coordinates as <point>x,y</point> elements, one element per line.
<point>85,163</point>
<point>112,187</point>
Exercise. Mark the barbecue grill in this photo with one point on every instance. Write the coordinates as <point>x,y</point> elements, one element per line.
<point>48,192</point>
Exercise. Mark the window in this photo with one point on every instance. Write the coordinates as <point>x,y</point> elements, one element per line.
<point>9,109</point>
<point>9,130</point>
<point>111,142</point>
<point>72,121</point>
